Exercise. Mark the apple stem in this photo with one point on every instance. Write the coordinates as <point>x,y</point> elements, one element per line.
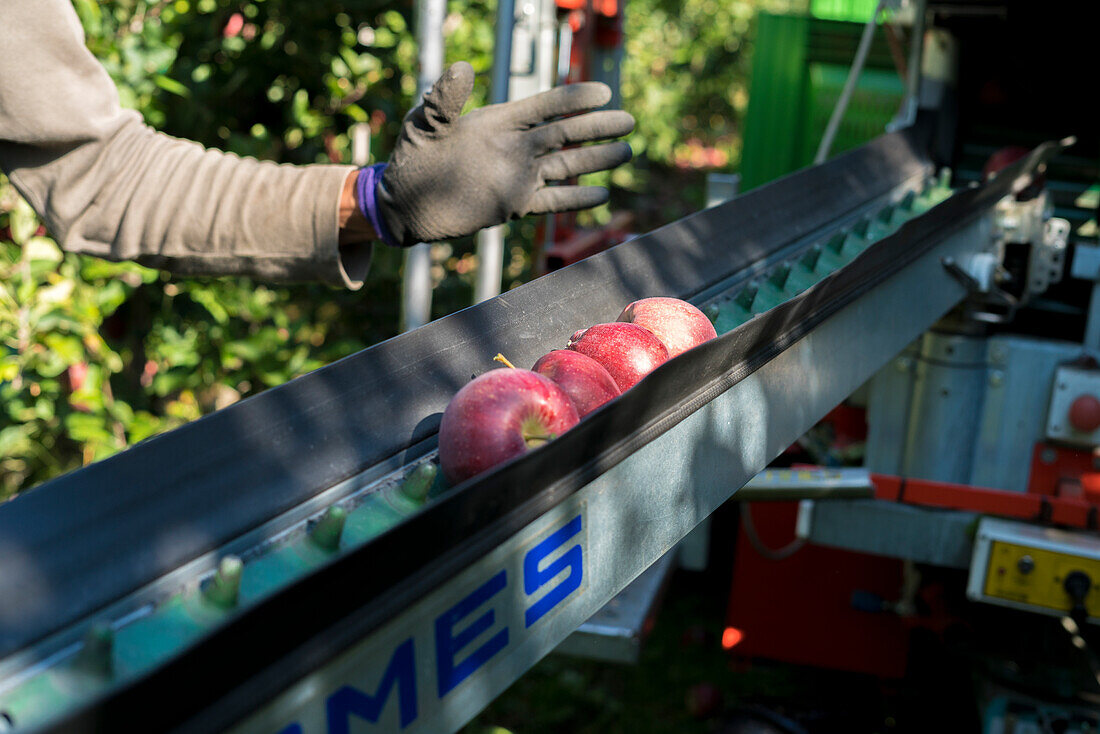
<point>503,360</point>
<point>534,440</point>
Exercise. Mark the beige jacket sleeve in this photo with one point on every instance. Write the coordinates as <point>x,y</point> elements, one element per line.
<point>108,185</point>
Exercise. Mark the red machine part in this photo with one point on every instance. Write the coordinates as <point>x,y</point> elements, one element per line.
<point>1084,413</point>
<point>801,609</point>
<point>1005,157</point>
<point>595,24</point>
<point>849,425</point>
<point>1061,510</point>
<point>573,244</point>
<point>1002,158</point>
<point>1057,471</point>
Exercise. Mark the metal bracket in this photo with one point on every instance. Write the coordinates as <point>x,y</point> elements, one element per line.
<point>978,281</point>
<point>1048,259</point>
<point>1030,222</point>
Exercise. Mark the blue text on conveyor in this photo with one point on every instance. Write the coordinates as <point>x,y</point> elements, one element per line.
<point>454,630</point>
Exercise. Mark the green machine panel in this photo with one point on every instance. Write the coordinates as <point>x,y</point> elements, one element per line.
<point>799,67</point>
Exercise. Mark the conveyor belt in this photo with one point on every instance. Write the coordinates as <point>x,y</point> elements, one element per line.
<point>85,544</point>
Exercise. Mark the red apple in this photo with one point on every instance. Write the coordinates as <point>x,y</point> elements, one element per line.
<point>627,351</point>
<point>678,324</point>
<point>584,379</point>
<point>1002,158</point>
<point>497,416</point>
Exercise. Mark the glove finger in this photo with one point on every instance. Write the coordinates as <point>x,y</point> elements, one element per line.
<point>581,129</point>
<point>443,103</point>
<point>565,100</point>
<point>551,199</point>
<point>578,161</point>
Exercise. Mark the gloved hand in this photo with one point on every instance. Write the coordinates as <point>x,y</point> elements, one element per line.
<point>452,174</point>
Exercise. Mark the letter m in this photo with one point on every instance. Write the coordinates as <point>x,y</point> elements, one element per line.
<point>348,701</point>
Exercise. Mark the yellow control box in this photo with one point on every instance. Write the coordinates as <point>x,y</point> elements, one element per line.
<point>1027,567</point>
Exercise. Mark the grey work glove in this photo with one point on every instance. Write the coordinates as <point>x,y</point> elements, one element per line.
<point>452,174</point>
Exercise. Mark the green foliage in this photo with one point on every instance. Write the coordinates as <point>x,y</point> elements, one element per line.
<point>685,77</point>
<point>57,408</point>
<point>276,79</point>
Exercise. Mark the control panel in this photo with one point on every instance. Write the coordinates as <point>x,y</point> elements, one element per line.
<point>1036,569</point>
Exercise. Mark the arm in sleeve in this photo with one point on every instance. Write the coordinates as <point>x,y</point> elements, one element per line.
<point>108,185</point>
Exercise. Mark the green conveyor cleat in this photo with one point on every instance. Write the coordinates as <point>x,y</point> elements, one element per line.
<point>328,528</point>
<point>770,291</point>
<point>803,273</point>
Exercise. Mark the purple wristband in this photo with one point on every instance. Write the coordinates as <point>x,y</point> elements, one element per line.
<point>366,192</point>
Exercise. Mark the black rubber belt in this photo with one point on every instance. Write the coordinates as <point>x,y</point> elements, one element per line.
<point>264,649</point>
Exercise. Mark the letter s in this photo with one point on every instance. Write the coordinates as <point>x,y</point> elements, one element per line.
<point>535,578</point>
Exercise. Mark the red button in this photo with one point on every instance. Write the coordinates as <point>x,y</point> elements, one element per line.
<point>1084,413</point>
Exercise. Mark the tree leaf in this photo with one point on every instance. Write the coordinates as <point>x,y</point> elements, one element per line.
<point>171,86</point>
<point>23,222</point>
<point>43,248</point>
<point>68,348</point>
<point>58,293</point>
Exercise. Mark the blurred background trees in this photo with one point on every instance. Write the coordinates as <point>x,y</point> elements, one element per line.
<point>96,356</point>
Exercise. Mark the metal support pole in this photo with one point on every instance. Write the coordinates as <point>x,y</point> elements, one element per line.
<point>916,49</point>
<point>564,37</point>
<point>722,187</point>
<point>907,115</point>
<point>490,263</point>
<point>360,144</point>
<point>490,242</point>
<point>849,86</point>
<point>416,301</point>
